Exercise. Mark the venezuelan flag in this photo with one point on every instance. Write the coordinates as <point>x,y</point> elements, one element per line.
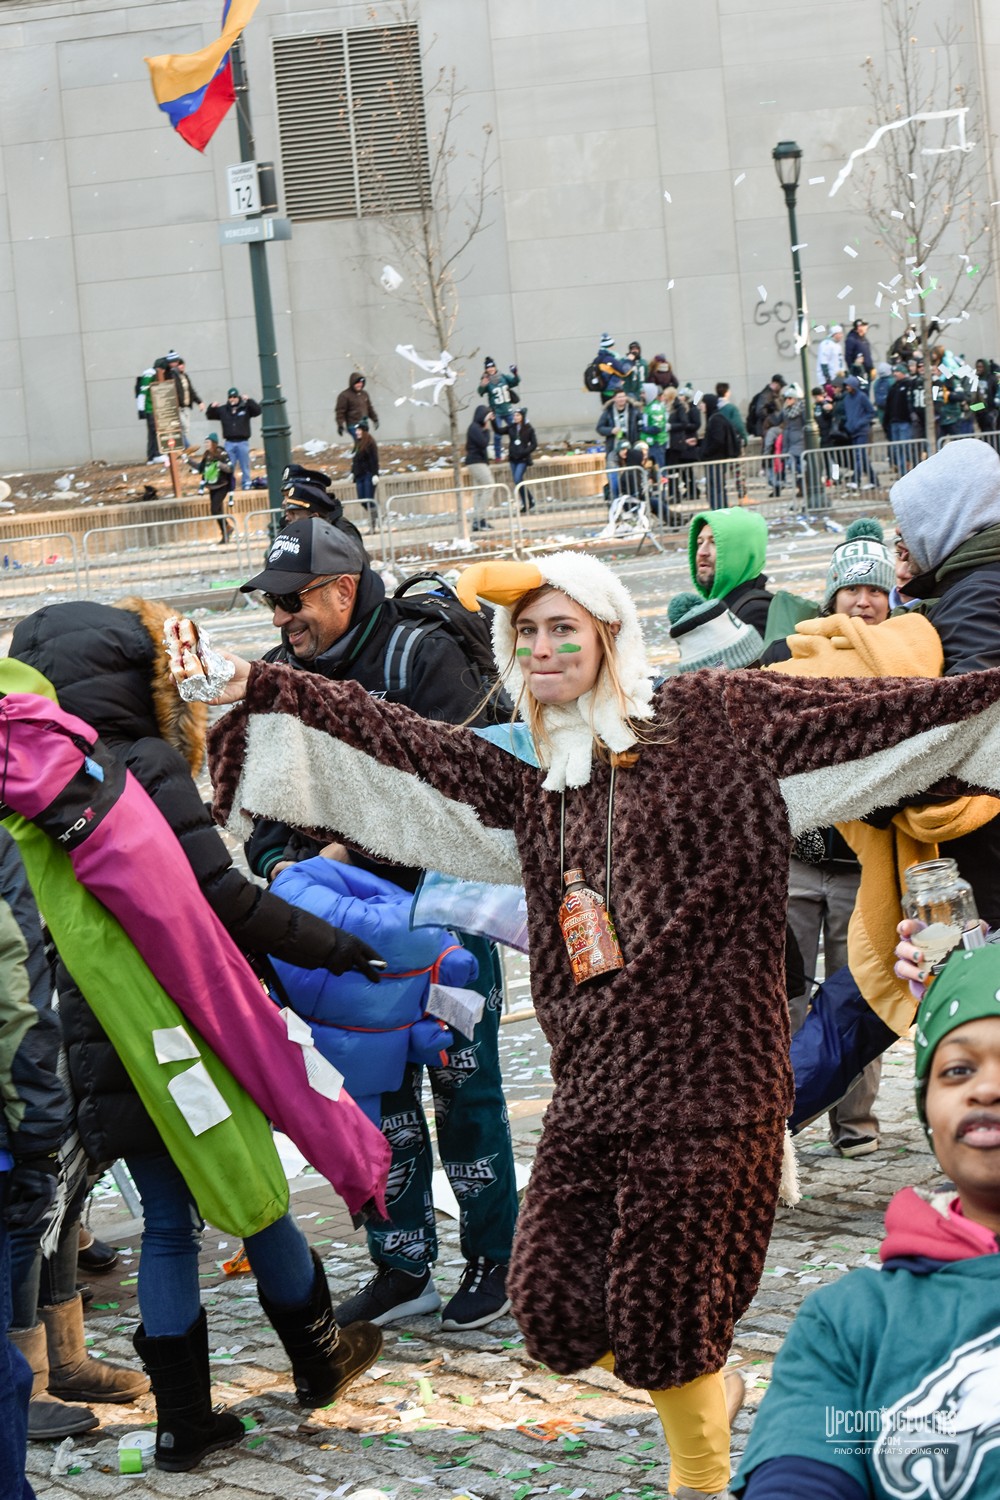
<point>195,89</point>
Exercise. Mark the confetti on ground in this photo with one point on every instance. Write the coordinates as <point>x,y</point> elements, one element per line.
<point>844,292</point>
<point>850,250</point>
<point>667,196</point>
<point>762,293</point>
<point>814,181</point>
<point>740,178</point>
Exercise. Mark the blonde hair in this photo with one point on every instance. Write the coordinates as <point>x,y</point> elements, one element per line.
<point>534,712</point>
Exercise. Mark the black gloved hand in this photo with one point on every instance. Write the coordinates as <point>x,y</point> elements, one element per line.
<point>349,952</point>
<point>31,1190</point>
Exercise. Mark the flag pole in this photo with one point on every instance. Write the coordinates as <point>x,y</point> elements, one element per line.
<point>275,428</point>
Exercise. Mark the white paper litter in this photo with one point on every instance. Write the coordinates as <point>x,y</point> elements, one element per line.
<point>844,292</point>
<point>64,481</point>
<point>762,293</point>
<point>390,279</point>
<point>741,178</point>
<point>667,196</point>
<point>814,180</point>
<point>935,114</point>
<point>314,446</point>
<point>460,1008</point>
<point>850,250</point>
<point>198,1099</point>
<point>297,1029</point>
<point>172,1044</point>
<point>323,1077</point>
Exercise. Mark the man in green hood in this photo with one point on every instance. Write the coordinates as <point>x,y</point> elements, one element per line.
<point>726,550</point>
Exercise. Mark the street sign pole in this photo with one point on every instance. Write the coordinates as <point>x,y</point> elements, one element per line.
<point>275,429</point>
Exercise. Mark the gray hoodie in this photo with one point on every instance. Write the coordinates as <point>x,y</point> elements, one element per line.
<point>949,497</point>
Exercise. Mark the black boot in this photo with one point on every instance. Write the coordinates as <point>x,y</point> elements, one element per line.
<point>325,1358</point>
<point>186,1426</point>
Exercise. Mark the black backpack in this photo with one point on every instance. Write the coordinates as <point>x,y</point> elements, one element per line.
<point>438,608</point>
<point>593,379</point>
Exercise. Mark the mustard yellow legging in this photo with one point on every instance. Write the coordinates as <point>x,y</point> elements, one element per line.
<point>696,1427</point>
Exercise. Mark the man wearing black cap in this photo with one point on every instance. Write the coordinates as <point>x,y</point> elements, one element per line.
<point>335,619</point>
<point>234,419</point>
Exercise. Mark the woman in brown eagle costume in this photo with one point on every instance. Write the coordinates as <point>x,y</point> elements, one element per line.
<point>656,1180</point>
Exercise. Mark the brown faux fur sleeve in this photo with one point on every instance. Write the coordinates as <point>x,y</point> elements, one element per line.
<point>325,755</point>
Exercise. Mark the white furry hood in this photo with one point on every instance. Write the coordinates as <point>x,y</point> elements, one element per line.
<point>572,727</point>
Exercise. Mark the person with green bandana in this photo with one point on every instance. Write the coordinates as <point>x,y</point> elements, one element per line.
<point>887,1384</point>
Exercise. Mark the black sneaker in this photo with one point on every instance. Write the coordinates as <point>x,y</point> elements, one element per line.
<point>389,1296</point>
<point>481,1297</point>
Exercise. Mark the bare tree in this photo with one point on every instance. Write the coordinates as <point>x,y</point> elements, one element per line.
<point>924,185</point>
<point>428,176</point>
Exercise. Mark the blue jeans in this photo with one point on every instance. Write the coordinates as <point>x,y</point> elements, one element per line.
<point>903,450</point>
<point>169,1289</point>
<point>15,1382</point>
<point>862,460</point>
<point>239,453</point>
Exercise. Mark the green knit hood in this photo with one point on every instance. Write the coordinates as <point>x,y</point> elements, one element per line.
<point>740,548</point>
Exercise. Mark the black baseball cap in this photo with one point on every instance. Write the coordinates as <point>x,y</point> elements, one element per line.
<point>304,550</point>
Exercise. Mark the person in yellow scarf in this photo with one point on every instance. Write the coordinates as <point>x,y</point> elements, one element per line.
<point>902,646</point>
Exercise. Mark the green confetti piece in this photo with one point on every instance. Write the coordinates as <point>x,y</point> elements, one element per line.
<point>641,1447</point>
<point>572,1445</point>
<point>132,1281</point>
<point>104,1306</point>
<point>519,1494</point>
<point>425,1390</point>
<point>519,1474</point>
<point>366,1442</point>
<point>466,1401</point>
<point>405,1338</point>
<point>256,1442</point>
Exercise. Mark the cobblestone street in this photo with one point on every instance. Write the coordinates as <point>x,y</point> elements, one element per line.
<point>453,1415</point>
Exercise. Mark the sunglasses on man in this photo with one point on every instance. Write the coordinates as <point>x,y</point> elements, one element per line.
<point>291,604</point>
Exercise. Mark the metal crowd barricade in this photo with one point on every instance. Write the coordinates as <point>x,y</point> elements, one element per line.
<point>163,557</point>
<point>571,508</point>
<point>425,525</point>
<point>37,570</point>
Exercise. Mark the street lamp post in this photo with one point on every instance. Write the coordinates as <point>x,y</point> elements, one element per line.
<point>787,158</point>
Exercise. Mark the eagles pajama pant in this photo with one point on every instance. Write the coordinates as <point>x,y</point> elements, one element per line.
<point>473,1137</point>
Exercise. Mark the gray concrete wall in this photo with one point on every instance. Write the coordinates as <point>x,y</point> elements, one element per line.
<point>108,221</point>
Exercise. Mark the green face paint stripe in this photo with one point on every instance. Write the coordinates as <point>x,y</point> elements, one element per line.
<point>524,650</point>
<point>567,647</point>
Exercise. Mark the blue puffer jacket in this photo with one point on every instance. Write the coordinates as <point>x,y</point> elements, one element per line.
<point>371,1031</point>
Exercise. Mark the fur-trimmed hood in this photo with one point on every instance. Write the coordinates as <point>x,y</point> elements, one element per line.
<point>108,666</point>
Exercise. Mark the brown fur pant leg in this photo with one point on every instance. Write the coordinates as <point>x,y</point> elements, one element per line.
<point>694,1219</point>
<point>559,1261</point>
<point>652,1246</point>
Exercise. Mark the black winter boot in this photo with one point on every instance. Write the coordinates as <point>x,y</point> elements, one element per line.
<point>186,1426</point>
<point>325,1358</point>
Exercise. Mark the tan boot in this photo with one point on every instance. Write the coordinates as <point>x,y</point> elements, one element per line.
<point>72,1371</point>
<point>48,1418</point>
<point>736,1389</point>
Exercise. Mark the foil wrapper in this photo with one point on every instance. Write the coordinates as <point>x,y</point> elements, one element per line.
<point>218,671</point>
